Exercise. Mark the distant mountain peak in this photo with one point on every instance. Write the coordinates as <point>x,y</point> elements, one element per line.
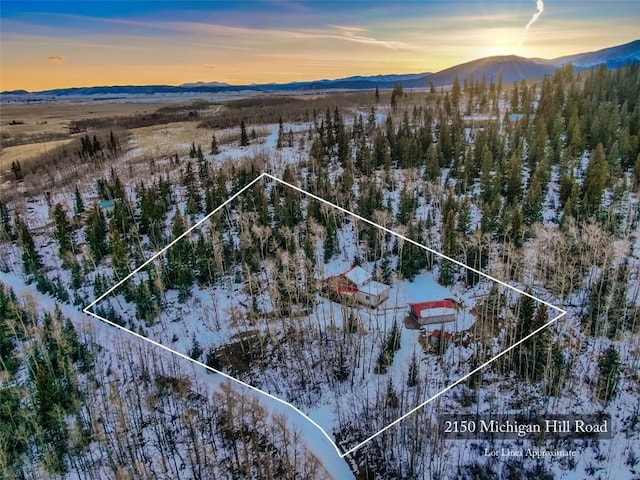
<point>14,92</point>
<point>610,56</point>
<point>205,84</point>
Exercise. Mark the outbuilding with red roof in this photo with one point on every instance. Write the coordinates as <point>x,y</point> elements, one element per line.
<point>436,311</point>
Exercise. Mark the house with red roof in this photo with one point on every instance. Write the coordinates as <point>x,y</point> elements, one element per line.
<point>356,284</point>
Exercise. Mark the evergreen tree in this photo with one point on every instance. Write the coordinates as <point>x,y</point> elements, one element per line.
<point>385,270</point>
<point>395,93</point>
<point>119,261</point>
<point>79,204</point>
<point>432,170</point>
<point>513,183</point>
<point>414,372</point>
<point>489,221</point>
<point>97,234</point>
<point>526,309</point>
<point>196,350</point>
<point>214,145</point>
<point>308,247</point>
<point>329,132</point>
<point>566,186</point>
<point>455,93</point>
<point>146,299</point>
<point>381,151</point>
<point>572,205</point>
<point>412,258</point>
<point>531,357</point>
<point>64,232</point>
<point>364,159</point>
<point>331,244</point>
<point>96,145</point>
<point>477,257</point>
<point>341,369</point>
<point>449,248</point>
<point>153,210</point>
<point>594,182</point>
<point>371,197</point>
<point>16,169</point>
<point>487,187</point>
<point>287,203</point>
<point>280,142</point>
<point>407,207</point>
<point>393,340</point>
<point>30,259</point>
<point>113,144</point>
<point>575,139</point>
<point>618,310</point>
<point>609,370</point>
<point>192,191</point>
<point>515,99</point>
<point>463,223</point>
<point>244,138</point>
<point>180,270</point>
<point>6,231</point>
<point>514,225</point>
<point>538,345</point>
<point>532,204</point>
<point>371,120</point>
<point>123,218</point>
<point>344,148</point>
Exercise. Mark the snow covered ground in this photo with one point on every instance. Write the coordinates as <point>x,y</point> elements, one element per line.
<point>219,316</point>
<point>108,335</point>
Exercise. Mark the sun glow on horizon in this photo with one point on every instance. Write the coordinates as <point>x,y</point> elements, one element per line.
<point>501,42</point>
<point>234,44</point>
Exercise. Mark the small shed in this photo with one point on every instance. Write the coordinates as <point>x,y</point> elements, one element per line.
<point>108,207</point>
<point>438,311</point>
<point>440,340</point>
<point>372,293</point>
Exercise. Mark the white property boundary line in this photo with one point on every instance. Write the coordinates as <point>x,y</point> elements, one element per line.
<point>88,311</point>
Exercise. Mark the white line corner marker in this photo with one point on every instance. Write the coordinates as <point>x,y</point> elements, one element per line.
<point>89,311</point>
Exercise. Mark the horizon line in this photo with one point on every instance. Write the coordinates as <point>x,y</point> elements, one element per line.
<point>231,85</point>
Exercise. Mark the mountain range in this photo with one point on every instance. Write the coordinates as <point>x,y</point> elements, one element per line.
<point>513,69</point>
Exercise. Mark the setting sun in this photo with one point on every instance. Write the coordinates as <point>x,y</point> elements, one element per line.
<point>500,41</point>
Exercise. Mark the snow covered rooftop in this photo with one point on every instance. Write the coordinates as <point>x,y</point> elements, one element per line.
<point>434,308</point>
<point>357,275</point>
<point>374,288</point>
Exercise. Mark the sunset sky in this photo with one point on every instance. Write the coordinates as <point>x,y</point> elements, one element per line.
<point>52,44</point>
